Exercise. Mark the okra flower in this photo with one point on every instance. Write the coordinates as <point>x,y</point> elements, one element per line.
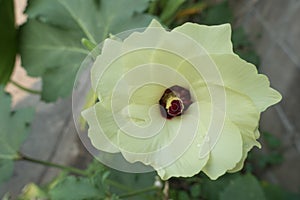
<point>179,101</point>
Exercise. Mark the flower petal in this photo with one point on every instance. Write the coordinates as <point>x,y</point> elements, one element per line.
<point>189,163</point>
<point>242,77</point>
<point>248,143</point>
<point>143,130</point>
<point>147,94</point>
<point>234,103</point>
<point>103,72</point>
<point>163,47</point>
<point>144,84</point>
<point>246,121</point>
<point>214,39</point>
<point>226,153</point>
<point>163,67</point>
<point>164,149</point>
<point>102,128</point>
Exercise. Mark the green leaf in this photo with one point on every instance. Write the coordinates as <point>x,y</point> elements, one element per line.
<point>6,170</point>
<point>113,197</point>
<point>274,192</point>
<point>14,127</point>
<point>132,182</point>
<point>76,189</point>
<point>196,190</point>
<point>170,10</point>
<point>239,38</point>
<point>7,40</point>
<point>244,187</point>
<point>218,14</point>
<point>249,55</point>
<point>51,47</point>
<point>94,167</point>
<point>243,47</point>
<point>183,196</point>
<point>98,175</point>
<point>212,188</point>
<point>271,140</point>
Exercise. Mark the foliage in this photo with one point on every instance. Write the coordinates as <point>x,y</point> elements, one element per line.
<point>51,47</point>
<point>100,183</point>
<point>275,192</point>
<point>75,188</point>
<point>166,9</point>
<point>8,40</point>
<point>104,183</point>
<point>134,182</point>
<point>14,127</point>
<point>243,47</point>
<point>218,14</point>
<point>244,187</point>
<point>259,161</point>
<point>229,186</point>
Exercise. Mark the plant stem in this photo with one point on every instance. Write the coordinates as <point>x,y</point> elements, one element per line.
<point>195,9</point>
<point>92,47</point>
<point>134,193</point>
<point>24,88</point>
<point>88,44</point>
<point>50,164</point>
<point>153,7</point>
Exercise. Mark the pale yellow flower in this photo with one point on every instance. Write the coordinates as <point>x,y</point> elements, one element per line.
<point>180,101</point>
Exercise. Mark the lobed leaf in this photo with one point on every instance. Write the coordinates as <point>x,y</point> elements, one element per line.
<point>244,187</point>
<point>14,127</point>
<point>76,189</point>
<point>51,47</point>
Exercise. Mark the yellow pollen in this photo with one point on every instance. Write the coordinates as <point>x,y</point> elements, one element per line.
<point>174,98</point>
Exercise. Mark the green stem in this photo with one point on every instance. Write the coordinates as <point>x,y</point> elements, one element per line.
<point>142,191</point>
<point>153,7</point>
<point>88,44</point>
<point>92,47</point>
<point>24,88</point>
<point>50,164</point>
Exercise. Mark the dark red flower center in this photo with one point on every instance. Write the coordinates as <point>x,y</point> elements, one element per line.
<point>174,101</point>
<point>175,108</point>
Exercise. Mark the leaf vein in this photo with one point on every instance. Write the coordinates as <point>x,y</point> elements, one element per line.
<point>78,21</point>
<point>46,47</point>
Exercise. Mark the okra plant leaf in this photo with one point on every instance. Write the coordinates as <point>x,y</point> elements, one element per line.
<point>243,187</point>
<point>76,188</point>
<point>50,41</point>
<point>14,127</point>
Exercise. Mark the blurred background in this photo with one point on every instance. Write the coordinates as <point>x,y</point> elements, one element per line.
<point>273,29</point>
